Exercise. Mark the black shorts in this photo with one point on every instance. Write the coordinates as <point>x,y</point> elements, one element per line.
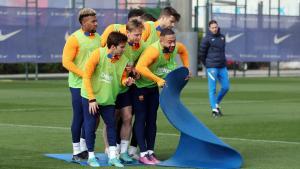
<point>124,99</point>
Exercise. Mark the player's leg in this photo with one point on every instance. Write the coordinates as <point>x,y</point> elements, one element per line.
<point>140,109</point>
<point>212,83</point>
<point>79,150</point>
<point>126,129</point>
<point>224,81</point>
<point>108,115</point>
<point>104,134</point>
<point>90,123</point>
<point>132,150</point>
<point>123,104</point>
<point>151,117</point>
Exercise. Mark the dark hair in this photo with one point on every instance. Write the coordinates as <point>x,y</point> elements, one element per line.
<point>134,13</point>
<point>212,22</point>
<point>85,12</point>
<point>169,11</point>
<point>134,24</point>
<point>148,17</point>
<point>167,31</point>
<point>115,38</point>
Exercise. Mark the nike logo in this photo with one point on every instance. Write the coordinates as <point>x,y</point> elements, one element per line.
<point>6,36</point>
<point>67,35</point>
<point>278,40</point>
<point>232,38</point>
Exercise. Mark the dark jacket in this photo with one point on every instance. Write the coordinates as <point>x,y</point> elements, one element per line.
<point>212,50</point>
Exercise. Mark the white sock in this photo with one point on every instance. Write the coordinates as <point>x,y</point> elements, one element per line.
<point>91,154</point>
<point>132,150</point>
<point>216,110</point>
<point>82,145</point>
<point>150,152</point>
<point>217,105</point>
<point>124,146</point>
<point>112,152</point>
<point>76,148</point>
<point>143,153</point>
<point>118,148</point>
<point>106,150</point>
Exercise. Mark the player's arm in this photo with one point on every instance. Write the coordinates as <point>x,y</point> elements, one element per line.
<point>147,31</point>
<point>147,59</point>
<point>90,67</point>
<point>184,54</point>
<point>105,34</point>
<point>203,49</point>
<point>69,54</point>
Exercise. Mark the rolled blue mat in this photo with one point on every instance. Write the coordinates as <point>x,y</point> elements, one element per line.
<point>198,146</point>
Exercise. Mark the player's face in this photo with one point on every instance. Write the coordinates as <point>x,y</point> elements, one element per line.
<point>135,35</point>
<point>90,24</point>
<point>168,22</point>
<point>169,42</point>
<point>119,50</point>
<point>214,28</point>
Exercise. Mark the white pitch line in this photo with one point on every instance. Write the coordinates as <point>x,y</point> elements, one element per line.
<point>158,133</point>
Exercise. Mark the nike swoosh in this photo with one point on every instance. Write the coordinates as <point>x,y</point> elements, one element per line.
<point>67,35</point>
<point>232,38</point>
<point>279,40</point>
<point>6,36</point>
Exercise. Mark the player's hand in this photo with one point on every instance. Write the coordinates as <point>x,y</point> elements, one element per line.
<point>129,81</point>
<point>161,83</point>
<point>93,107</point>
<point>136,74</point>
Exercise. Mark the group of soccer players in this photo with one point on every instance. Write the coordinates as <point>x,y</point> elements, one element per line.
<point>117,76</point>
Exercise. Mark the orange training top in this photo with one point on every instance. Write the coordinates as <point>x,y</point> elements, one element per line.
<point>151,54</point>
<point>110,29</point>
<point>90,67</point>
<point>69,54</point>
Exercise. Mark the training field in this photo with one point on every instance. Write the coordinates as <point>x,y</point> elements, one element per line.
<point>262,122</point>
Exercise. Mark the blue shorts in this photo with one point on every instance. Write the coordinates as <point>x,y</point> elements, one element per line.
<point>124,99</point>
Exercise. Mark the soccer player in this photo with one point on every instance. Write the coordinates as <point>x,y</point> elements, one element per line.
<point>133,50</point>
<point>148,17</point>
<point>212,53</point>
<point>75,54</point>
<point>167,19</point>
<point>133,14</point>
<point>154,64</point>
<point>103,76</point>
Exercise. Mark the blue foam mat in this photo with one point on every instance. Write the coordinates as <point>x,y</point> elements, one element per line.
<point>198,147</point>
<point>102,158</point>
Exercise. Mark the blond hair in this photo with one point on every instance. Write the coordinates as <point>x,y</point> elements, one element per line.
<point>134,24</point>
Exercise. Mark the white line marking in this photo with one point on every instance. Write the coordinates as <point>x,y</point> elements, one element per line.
<point>210,75</point>
<point>159,133</point>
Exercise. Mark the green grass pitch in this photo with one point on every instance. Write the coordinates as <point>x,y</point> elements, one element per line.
<point>261,121</point>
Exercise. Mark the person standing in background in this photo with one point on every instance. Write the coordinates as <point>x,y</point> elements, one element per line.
<point>212,54</point>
